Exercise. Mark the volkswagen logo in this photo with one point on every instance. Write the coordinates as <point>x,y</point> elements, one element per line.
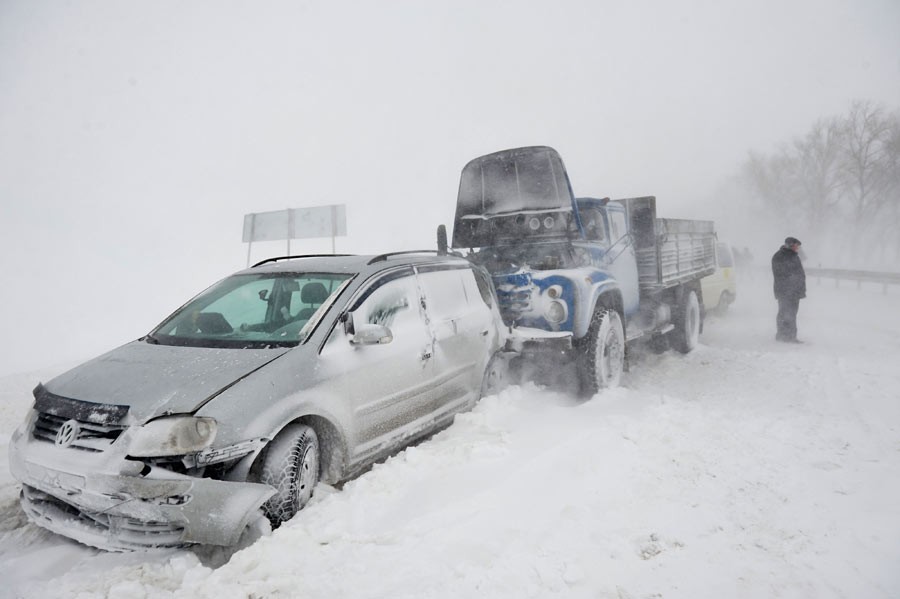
<point>68,433</point>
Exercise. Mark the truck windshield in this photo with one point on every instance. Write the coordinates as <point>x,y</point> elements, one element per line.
<point>252,311</point>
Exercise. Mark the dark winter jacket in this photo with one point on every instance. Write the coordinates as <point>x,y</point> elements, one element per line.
<point>790,278</point>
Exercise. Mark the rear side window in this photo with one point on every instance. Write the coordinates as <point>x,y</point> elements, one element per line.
<point>445,293</point>
<point>723,253</point>
<point>483,283</point>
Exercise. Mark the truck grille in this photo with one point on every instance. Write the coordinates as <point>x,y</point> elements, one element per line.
<point>513,294</point>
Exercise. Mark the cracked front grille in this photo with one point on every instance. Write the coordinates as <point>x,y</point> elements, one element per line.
<point>98,529</point>
<point>68,422</point>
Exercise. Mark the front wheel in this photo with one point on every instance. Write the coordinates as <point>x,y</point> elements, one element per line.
<point>602,353</point>
<point>291,465</point>
<point>686,334</point>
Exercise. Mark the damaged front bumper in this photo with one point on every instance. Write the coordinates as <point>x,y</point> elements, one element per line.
<point>103,500</point>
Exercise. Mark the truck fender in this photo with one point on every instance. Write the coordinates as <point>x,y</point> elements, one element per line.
<point>606,288</point>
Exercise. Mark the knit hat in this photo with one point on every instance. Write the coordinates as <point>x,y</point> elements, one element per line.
<point>791,241</point>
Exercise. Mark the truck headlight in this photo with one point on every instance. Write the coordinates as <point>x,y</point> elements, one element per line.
<point>173,435</point>
<point>555,312</point>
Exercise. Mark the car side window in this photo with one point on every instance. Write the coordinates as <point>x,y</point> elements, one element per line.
<point>392,304</point>
<point>445,293</point>
<point>483,282</point>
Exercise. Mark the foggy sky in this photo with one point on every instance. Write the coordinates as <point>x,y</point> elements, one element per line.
<point>135,136</point>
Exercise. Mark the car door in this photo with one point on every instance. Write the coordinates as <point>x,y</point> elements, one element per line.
<point>463,329</point>
<point>387,388</point>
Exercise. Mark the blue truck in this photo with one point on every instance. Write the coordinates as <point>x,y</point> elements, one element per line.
<point>580,278</point>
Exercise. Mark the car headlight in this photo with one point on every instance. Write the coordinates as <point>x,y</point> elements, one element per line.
<point>173,435</point>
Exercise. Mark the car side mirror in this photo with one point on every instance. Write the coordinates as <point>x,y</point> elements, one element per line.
<point>371,334</point>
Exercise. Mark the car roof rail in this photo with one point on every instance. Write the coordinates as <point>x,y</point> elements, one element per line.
<point>279,258</point>
<point>383,257</point>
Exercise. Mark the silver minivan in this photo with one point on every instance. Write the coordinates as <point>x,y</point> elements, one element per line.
<point>297,370</point>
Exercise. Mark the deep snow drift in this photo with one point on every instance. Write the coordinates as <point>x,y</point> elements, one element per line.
<point>747,468</point>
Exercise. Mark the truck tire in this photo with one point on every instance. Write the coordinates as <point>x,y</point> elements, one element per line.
<point>686,334</point>
<point>602,353</point>
<point>291,466</point>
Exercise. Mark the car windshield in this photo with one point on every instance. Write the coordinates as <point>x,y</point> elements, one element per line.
<point>252,311</point>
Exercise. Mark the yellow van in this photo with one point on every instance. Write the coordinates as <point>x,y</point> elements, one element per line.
<point>720,288</point>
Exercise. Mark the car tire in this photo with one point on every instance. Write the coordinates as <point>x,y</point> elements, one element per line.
<point>602,353</point>
<point>686,334</point>
<point>291,466</point>
<point>724,301</point>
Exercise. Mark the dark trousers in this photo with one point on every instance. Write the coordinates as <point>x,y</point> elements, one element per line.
<point>786,321</point>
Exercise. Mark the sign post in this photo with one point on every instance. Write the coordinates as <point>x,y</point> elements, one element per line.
<point>295,223</point>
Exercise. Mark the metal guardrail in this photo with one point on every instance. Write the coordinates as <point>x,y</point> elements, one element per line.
<point>860,276</point>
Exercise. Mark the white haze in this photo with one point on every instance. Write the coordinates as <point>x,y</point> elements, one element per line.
<point>135,136</point>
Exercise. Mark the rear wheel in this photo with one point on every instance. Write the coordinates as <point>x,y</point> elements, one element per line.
<point>291,466</point>
<point>686,334</point>
<point>602,352</point>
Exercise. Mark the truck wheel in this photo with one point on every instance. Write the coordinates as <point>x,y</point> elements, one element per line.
<point>291,465</point>
<point>602,358</point>
<point>686,334</point>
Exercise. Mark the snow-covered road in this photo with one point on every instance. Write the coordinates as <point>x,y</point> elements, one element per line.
<point>744,469</point>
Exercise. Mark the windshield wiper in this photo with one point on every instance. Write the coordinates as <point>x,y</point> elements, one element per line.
<point>150,339</point>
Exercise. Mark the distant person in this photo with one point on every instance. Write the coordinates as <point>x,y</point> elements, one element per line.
<point>790,288</point>
<point>742,260</point>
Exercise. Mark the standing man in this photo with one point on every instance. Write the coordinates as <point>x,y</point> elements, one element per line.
<point>790,288</point>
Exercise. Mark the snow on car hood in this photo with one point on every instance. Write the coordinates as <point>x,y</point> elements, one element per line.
<point>157,379</point>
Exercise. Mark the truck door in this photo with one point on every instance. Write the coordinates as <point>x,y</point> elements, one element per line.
<point>622,261</point>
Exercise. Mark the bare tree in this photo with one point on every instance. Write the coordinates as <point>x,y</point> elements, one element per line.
<point>839,182</point>
<point>866,164</point>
